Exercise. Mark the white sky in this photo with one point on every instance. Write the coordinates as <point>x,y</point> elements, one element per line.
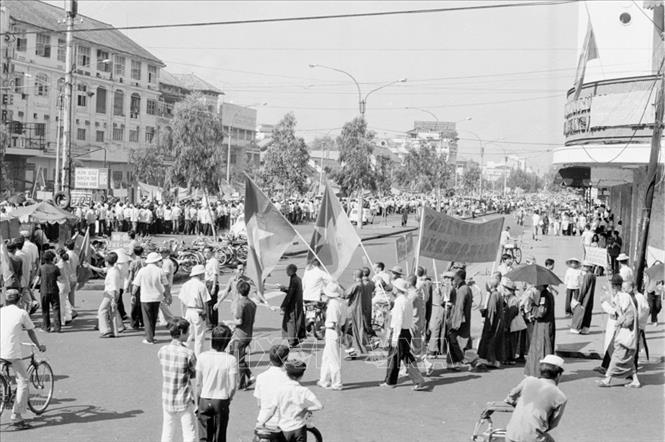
<point>508,69</point>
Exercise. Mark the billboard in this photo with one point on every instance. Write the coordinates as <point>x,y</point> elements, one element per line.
<point>91,178</point>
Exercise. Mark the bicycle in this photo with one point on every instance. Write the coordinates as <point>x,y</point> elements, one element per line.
<point>513,250</point>
<point>40,384</point>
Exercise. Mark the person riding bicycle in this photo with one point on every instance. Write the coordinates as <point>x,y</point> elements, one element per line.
<point>13,321</point>
<point>505,240</point>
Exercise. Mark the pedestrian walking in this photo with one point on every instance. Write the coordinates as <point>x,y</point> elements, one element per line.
<point>194,297</point>
<point>331,359</point>
<point>242,334</point>
<point>178,369</point>
<point>572,279</point>
<point>458,333</point>
<point>108,318</point>
<point>491,346</point>
<point>48,288</point>
<point>135,313</point>
<point>437,326</point>
<point>401,323</point>
<point>293,321</point>
<point>543,335</point>
<point>355,326</point>
<point>151,281</point>
<point>216,379</point>
<point>583,303</point>
<point>212,284</point>
<point>270,382</point>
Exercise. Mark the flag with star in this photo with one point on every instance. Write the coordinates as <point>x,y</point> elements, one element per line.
<point>334,239</point>
<point>269,234</point>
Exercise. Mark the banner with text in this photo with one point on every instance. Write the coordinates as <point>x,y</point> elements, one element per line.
<point>450,239</point>
<point>404,247</point>
<point>596,256</point>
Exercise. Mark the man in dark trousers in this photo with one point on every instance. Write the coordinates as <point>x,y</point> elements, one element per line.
<point>293,322</point>
<point>242,334</point>
<point>459,327</point>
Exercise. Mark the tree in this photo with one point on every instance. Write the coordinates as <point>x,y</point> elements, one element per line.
<point>285,163</point>
<point>424,169</point>
<point>196,140</point>
<point>471,176</point>
<point>355,156</point>
<point>527,181</point>
<point>384,174</point>
<point>149,164</point>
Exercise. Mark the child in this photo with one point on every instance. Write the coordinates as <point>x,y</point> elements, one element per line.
<point>48,288</point>
<point>331,363</point>
<point>292,404</point>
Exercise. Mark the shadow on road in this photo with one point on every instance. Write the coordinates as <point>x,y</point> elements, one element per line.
<point>72,415</point>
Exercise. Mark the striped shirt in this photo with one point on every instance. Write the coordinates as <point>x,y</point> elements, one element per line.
<point>178,368</point>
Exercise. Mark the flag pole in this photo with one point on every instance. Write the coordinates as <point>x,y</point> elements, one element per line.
<point>362,246</point>
<point>310,249</point>
<point>420,235</point>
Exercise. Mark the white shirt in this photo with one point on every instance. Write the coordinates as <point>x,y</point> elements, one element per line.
<point>26,267</point>
<point>113,280</point>
<point>626,273</point>
<point>212,270</point>
<point>313,281</point>
<point>505,237</point>
<point>292,399</point>
<point>13,321</point>
<point>268,384</point>
<point>194,294</point>
<point>334,313</point>
<point>168,267</point>
<point>217,373</point>
<point>572,278</point>
<point>30,248</point>
<point>587,237</point>
<point>401,315</point>
<point>151,280</point>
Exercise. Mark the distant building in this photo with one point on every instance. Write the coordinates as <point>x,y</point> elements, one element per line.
<point>240,123</point>
<point>441,135</point>
<point>115,95</point>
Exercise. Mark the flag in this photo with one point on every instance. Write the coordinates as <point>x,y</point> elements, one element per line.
<point>589,52</point>
<point>269,234</point>
<point>83,250</point>
<point>334,239</point>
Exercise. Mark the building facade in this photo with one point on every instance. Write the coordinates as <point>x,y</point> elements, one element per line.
<point>441,135</point>
<point>239,123</point>
<point>608,126</point>
<point>114,104</point>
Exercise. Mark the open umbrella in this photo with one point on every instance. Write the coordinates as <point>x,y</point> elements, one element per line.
<point>533,274</point>
<point>656,272</point>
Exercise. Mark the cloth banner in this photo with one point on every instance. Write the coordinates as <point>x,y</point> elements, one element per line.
<point>150,191</point>
<point>596,256</point>
<point>405,248</point>
<point>269,234</point>
<point>334,239</point>
<point>445,238</point>
<point>83,250</point>
<point>654,254</point>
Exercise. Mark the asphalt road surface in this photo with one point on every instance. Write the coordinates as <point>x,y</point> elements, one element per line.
<point>110,389</point>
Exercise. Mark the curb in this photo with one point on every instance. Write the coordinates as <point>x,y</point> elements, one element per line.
<point>596,356</point>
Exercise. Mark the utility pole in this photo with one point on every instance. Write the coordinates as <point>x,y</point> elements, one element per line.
<point>71,7</point>
<point>652,172</point>
<point>482,156</point>
<point>505,174</point>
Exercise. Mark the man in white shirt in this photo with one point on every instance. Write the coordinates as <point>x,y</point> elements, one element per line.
<point>331,361</point>
<point>401,323</point>
<point>270,381</point>
<point>31,249</point>
<point>314,279</point>
<point>625,271</point>
<point>176,218</point>
<point>535,222</point>
<point>216,379</point>
<point>505,239</point>
<point>194,297</point>
<point>587,236</point>
<point>212,283</point>
<point>13,321</point>
<point>152,283</point>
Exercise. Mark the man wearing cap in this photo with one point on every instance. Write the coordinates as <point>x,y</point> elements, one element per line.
<point>152,283</point>
<point>331,362</point>
<point>572,279</point>
<point>624,270</point>
<point>437,325</point>
<point>194,296</point>
<point>538,402</point>
<point>13,321</point>
<point>584,301</point>
<point>401,323</point>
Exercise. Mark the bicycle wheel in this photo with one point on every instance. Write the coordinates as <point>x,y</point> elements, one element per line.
<point>40,386</point>
<point>316,434</point>
<point>5,393</point>
<point>517,253</point>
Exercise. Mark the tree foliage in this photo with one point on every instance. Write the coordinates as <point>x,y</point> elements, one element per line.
<point>527,181</point>
<point>471,176</point>
<point>424,169</point>
<point>384,174</point>
<point>285,162</point>
<point>197,145</point>
<point>149,164</point>
<point>356,146</point>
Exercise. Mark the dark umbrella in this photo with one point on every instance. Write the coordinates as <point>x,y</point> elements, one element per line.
<point>656,272</point>
<point>534,274</point>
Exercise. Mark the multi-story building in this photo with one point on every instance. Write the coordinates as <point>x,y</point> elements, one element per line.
<point>609,125</point>
<point>239,123</point>
<point>441,135</point>
<point>115,94</point>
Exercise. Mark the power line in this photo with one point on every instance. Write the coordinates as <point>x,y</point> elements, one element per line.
<point>314,17</point>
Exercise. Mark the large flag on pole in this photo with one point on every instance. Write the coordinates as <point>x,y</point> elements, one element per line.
<point>6,270</point>
<point>83,250</point>
<point>589,52</point>
<point>269,234</point>
<point>334,239</point>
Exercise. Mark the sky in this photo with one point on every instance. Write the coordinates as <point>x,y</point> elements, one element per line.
<point>502,74</point>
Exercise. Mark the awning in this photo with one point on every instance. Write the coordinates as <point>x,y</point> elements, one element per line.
<point>43,212</point>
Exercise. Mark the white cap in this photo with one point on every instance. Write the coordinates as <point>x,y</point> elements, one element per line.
<point>198,269</point>
<point>153,257</point>
<point>553,360</point>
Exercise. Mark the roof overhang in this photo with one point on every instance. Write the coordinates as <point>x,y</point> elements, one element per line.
<point>604,154</point>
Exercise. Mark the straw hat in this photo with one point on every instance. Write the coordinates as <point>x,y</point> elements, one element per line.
<point>571,260</point>
<point>153,257</point>
<point>397,269</point>
<point>622,257</point>
<point>553,360</point>
<point>332,290</point>
<point>508,284</point>
<point>198,269</point>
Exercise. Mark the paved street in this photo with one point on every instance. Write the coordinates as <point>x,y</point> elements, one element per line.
<point>109,390</point>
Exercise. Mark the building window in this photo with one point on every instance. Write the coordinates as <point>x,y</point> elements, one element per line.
<point>152,74</point>
<point>83,59</point>
<point>41,85</point>
<point>134,135</point>
<point>119,103</point>
<point>19,83</point>
<point>21,41</point>
<point>151,107</point>
<point>135,106</point>
<point>136,70</point>
<point>62,49</point>
<point>40,129</point>
<point>118,133</point>
<point>101,100</point>
<point>233,157</point>
<point>80,134</point>
<point>99,136</point>
<point>103,61</point>
<point>43,48</point>
<point>120,65</point>
<point>82,96</point>
<point>149,134</point>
